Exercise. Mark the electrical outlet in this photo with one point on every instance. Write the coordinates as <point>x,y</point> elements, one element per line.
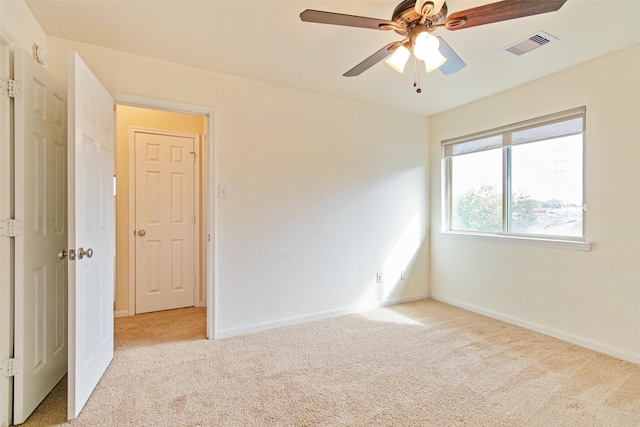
<point>378,277</point>
<point>403,274</point>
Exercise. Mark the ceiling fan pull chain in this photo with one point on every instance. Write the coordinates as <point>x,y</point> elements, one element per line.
<point>416,76</point>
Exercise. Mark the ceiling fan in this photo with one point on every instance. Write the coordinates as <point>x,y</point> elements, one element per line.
<point>417,19</point>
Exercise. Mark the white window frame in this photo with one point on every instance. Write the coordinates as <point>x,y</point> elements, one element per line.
<point>505,132</point>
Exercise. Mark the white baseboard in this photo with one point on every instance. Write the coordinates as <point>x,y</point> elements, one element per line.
<point>564,336</point>
<point>121,313</point>
<point>257,327</point>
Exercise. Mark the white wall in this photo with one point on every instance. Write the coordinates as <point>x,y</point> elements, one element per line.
<point>324,192</point>
<point>591,298</point>
<point>22,27</point>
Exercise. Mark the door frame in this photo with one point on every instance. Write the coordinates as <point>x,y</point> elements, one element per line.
<point>198,208</point>
<point>6,243</point>
<point>208,172</point>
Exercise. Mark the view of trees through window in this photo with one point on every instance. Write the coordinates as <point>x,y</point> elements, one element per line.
<point>531,188</point>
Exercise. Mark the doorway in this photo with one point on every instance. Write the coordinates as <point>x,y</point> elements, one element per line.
<point>159,217</point>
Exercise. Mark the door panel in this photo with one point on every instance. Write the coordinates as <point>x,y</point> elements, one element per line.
<point>40,195</point>
<point>91,154</point>
<point>165,221</point>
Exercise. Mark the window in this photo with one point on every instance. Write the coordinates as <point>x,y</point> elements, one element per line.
<point>525,179</point>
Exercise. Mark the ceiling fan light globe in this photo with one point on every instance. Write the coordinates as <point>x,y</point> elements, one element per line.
<point>399,59</point>
<point>424,45</point>
<point>433,61</point>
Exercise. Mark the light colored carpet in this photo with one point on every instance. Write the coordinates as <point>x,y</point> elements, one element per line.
<point>419,364</point>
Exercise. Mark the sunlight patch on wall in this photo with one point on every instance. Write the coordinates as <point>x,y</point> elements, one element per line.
<point>401,256</point>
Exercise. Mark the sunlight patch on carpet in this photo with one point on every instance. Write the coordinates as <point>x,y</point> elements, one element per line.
<point>389,316</point>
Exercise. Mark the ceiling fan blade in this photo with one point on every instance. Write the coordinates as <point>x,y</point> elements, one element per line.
<point>321,17</point>
<point>380,55</point>
<point>454,62</point>
<point>500,11</point>
<point>433,8</point>
<point>419,5</point>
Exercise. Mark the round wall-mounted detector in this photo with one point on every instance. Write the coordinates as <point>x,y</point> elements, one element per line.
<point>41,55</point>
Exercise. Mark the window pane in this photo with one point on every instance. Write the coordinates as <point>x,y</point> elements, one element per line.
<point>476,191</point>
<point>546,187</point>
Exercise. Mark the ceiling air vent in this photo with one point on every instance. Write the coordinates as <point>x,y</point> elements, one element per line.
<point>530,43</point>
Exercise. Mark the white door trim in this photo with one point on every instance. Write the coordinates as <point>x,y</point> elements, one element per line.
<point>6,251</point>
<point>209,184</point>
<point>132,211</point>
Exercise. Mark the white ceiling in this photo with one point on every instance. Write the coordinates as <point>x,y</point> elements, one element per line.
<point>265,40</point>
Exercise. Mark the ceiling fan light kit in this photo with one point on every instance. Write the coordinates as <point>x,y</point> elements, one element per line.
<point>399,59</point>
<point>415,20</point>
<point>425,47</point>
<point>434,61</point>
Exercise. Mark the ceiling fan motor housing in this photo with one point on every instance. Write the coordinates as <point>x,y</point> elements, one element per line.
<point>405,13</point>
<point>406,16</point>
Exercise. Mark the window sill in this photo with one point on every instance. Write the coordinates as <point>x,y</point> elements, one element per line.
<point>519,240</point>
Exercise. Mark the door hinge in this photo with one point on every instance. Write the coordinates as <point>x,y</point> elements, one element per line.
<point>10,228</point>
<point>11,367</point>
<point>11,88</point>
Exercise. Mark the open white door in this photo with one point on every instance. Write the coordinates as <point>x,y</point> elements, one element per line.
<point>40,347</point>
<point>91,232</point>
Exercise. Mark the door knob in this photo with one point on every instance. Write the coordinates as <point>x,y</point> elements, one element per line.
<point>82,253</point>
<point>62,254</point>
<point>141,232</point>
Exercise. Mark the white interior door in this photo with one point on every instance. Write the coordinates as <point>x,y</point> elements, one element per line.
<point>165,220</point>
<point>40,202</point>
<point>91,232</point>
